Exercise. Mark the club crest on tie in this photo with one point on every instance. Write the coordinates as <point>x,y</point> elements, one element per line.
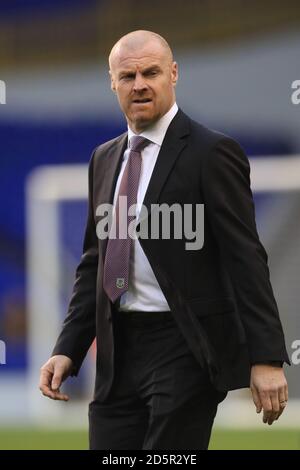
<point>120,282</point>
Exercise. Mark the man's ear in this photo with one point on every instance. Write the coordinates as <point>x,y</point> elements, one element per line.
<point>112,82</point>
<point>174,72</point>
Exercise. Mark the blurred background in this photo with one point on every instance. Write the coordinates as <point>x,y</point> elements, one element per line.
<point>237,62</point>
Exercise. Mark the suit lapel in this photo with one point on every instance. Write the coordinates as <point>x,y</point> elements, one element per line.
<point>172,146</point>
<point>113,163</point>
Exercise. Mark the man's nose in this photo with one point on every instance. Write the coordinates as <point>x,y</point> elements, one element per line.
<point>139,83</point>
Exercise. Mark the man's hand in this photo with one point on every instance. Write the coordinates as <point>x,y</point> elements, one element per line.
<point>269,391</point>
<point>53,373</point>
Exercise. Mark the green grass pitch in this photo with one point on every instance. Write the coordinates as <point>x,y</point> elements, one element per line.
<point>36,439</point>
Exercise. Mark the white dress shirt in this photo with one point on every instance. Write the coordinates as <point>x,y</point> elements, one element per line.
<point>144,293</point>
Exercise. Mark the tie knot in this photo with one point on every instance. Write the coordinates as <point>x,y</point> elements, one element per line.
<point>137,143</point>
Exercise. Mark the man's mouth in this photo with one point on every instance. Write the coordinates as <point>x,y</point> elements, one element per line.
<point>142,100</point>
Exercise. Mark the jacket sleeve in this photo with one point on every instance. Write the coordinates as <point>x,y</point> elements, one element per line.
<point>79,326</point>
<point>230,210</point>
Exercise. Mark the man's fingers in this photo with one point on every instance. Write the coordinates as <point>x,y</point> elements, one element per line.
<point>274,403</point>
<point>280,413</point>
<point>256,400</point>
<point>270,385</point>
<point>50,383</point>
<point>57,378</point>
<point>47,390</point>
<point>268,417</point>
<point>267,406</point>
<point>282,398</point>
<point>55,395</point>
<point>286,392</point>
<point>56,383</point>
<point>274,396</point>
<point>45,380</point>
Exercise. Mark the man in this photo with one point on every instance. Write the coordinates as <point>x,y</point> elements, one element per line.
<point>176,328</point>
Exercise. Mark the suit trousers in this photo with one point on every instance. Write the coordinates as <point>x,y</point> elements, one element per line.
<point>160,398</point>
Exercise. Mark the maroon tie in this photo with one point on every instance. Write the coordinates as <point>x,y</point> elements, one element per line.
<point>117,258</point>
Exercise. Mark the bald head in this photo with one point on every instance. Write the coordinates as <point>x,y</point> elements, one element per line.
<point>135,42</point>
<point>143,76</point>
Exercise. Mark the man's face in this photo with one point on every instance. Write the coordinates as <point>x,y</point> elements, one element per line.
<point>144,82</point>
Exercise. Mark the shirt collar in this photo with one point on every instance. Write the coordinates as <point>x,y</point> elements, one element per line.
<point>156,133</point>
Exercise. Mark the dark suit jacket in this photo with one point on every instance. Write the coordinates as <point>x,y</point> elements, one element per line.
<point>220,295</point>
